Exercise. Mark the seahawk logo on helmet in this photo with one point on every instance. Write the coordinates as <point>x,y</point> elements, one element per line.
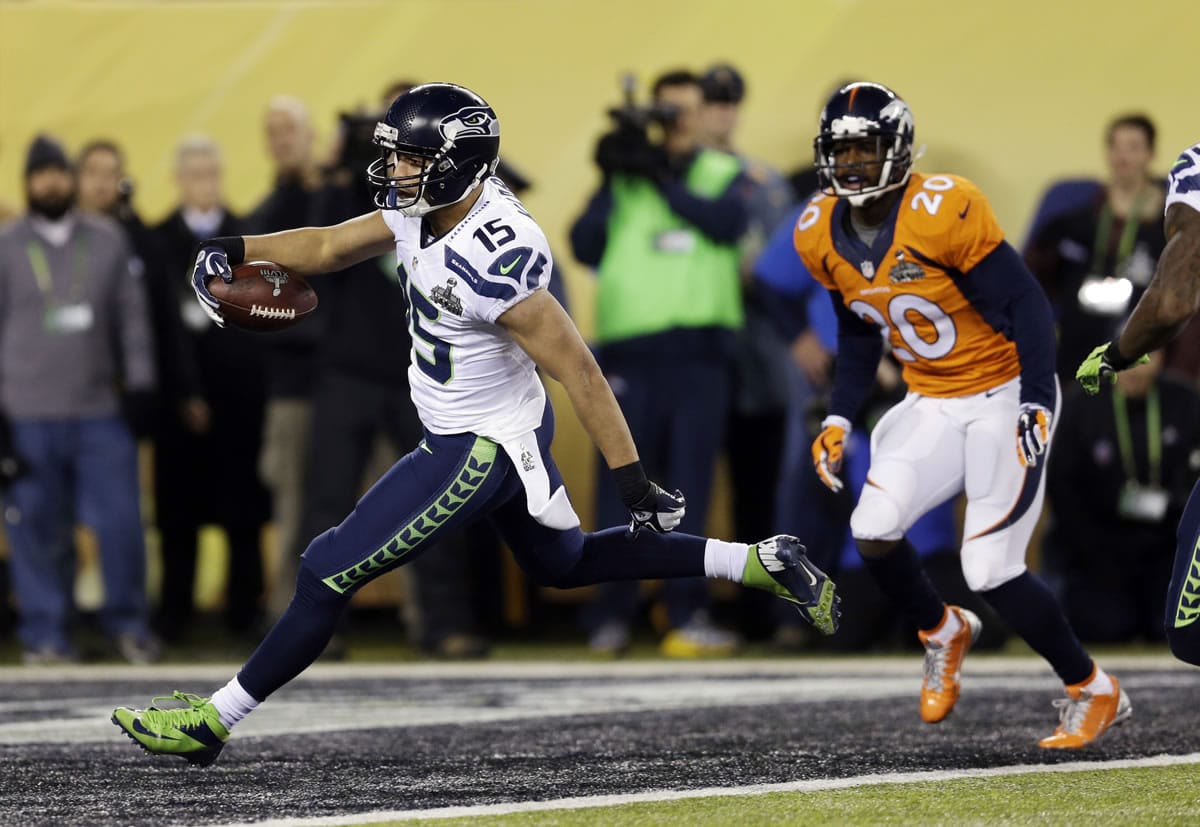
<point>453,131</point>
<point>865,112</point>
<point>471,121</point>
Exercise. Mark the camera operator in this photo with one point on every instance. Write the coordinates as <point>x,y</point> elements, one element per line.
<point>662,233</point>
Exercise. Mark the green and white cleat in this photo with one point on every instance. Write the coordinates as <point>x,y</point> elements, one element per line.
<point>779,565</point>
<point>194,732</point>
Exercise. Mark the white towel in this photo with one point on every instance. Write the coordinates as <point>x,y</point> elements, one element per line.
<point>551,510</point>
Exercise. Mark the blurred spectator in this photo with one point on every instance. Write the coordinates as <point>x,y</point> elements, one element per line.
<point>662,234</point>
<point>74,336</point>
<point>757,419</point>
<point>361,393</point>
<point>104,189</point>
<point>291,354</point>
<point>1123,467</point>
<point>208,440</point>
<point>1096,260</point>
<point>754,442</point>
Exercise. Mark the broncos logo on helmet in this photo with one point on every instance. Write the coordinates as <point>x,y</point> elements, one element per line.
<point>470,122</point>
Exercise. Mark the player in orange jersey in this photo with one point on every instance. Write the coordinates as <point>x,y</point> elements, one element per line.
<point>920,261</point>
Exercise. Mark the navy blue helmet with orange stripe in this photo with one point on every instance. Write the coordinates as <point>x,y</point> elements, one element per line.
<point>872,115</point>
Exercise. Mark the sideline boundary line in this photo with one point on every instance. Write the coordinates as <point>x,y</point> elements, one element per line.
<point>872,666</point>
<point>811,785</point>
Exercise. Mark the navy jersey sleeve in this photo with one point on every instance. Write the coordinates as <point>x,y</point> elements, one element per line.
<point>1009,298</point>
<point>860,346</point>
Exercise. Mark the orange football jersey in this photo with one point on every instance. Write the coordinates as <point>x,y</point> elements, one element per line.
<point>914,281</point>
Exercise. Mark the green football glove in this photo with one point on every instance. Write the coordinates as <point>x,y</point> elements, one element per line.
<point>1104,362</point>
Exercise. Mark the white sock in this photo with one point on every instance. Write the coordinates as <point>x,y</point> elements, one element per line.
<point>725,560</point>
<point>233,703</point>
<point>1099,684</point>
<point>948,629</point>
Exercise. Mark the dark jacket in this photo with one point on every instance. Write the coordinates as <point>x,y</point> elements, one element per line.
<point>366,327</point>
<point>290,354</point>
<point>1086,475</point>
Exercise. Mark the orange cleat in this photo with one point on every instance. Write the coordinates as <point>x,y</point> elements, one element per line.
<point>943,662</point>
<point>1084,717</point>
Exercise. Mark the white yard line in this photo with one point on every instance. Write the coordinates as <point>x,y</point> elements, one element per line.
<point>981,664</point>
<point>813,785</point>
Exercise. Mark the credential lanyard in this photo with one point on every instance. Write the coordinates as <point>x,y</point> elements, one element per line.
<point>1128,235</point>
<point>1153,436</point>
<point>41,271</point>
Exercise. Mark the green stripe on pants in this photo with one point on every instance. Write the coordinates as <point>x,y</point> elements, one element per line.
<point>464,485</point>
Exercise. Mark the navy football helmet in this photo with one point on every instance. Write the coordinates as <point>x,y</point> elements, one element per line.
<point>449,126</point>
<point>863,111</point>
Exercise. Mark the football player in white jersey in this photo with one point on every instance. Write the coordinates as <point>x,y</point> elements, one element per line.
<point>474,266</point>
<point>1170,301</point>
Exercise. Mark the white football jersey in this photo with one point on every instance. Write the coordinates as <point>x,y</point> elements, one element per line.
<point>467,374</point>
<point>1183,181</point>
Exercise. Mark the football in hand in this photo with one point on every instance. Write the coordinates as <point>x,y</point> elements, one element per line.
<point>263,297</point>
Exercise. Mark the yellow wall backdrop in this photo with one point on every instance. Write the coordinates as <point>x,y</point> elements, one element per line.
<point>1010,94</point>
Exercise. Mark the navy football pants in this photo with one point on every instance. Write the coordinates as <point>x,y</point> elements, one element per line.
<point>1183,596</point>
<point>443,484</point>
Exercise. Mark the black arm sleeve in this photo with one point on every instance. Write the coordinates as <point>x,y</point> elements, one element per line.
<point>1008,297</point>
<point>723,219</point>
<point>859,348</point>
<point>589,233</point>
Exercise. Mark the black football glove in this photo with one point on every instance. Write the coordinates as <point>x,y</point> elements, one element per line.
<point>649,505</point>
<point>215,257</point>
<point>658,511</point>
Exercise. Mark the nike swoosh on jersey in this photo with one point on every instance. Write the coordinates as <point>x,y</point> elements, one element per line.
<point>504,271</point>
<point>963,214</point>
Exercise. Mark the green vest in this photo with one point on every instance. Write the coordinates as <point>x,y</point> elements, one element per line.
<point>660,272</point>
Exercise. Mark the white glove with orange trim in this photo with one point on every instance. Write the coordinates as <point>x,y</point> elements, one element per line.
<point>1033,432</point>
<point>827,451</point>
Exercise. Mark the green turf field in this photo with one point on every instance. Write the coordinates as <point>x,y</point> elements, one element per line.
<point>1137,796</point>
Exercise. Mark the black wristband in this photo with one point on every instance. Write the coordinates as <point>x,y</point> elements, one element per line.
<point>234,247</point>
<point>1113,356</point>
<point>632,483</point>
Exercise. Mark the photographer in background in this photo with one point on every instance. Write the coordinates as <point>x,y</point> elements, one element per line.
<point>662,233</point>
<point>1111,543</point>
